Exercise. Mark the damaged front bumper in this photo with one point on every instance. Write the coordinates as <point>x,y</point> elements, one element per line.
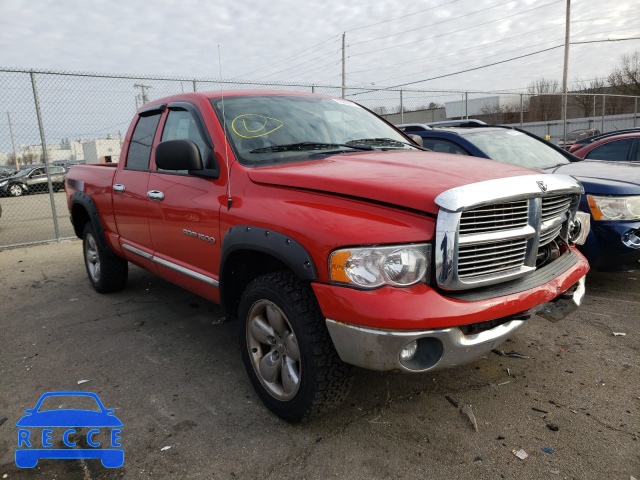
<point>427,350</point>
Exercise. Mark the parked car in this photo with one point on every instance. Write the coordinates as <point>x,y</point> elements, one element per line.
<point>6,171</point>
<point>589,140</point>
<point>612,190</point>
<point>615,148</point>
<point>575,135</point>
<point>33,180</point>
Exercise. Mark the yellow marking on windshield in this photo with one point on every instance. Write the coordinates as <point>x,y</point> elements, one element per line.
<point>254,125</point>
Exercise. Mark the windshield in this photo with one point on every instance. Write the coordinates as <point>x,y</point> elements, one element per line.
<point>573,136</point>
<point>517,148</point>
<point>264,129</point>
<point>22,173</point>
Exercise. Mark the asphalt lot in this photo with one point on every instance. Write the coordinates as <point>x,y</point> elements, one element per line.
<point>160,357</point>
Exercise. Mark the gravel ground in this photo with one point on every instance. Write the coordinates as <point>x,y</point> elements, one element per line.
<point>157,354</point>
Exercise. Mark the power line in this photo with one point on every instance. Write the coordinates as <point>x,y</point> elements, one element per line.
<point>607,40</point>
<point>484,45</point>
<point>498,63</point>
<point>456,31</point>
<point>335,62</point>
<point>480,59</point>
<point>503,53</point>
<point>334,38</point>
<point>403,16</point>
<point>333,52</point>
<point>350,30</point>
<point>431,24</point>
<point>469,69</point>
<point>448,54</point>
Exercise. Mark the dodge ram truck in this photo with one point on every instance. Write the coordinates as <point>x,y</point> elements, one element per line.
<point>331,236</point>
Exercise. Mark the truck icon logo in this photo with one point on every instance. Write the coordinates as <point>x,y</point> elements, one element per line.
<point>103,436</point>
<point>542,185</point>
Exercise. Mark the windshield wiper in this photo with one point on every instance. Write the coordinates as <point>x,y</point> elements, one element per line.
<point>385,142</point>
<point>305,146</point>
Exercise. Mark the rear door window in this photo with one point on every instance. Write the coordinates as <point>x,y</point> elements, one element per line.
<point>139,152</point>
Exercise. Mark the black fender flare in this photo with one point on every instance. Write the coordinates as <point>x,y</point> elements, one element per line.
<point>284,248</point>
<point>86,202</point>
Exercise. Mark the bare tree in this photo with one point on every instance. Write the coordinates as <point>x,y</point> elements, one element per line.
<point>625,79</point>
<point>32,158</point>
<point>380,110</point>
<point>544,102</point>
<point>591,89</point>
<point>500,113</point>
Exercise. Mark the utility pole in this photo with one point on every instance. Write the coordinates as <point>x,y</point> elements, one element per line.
<point>13,143</point>
<point>343,64</point>
<point>144,98</point>
<point>565,72</point>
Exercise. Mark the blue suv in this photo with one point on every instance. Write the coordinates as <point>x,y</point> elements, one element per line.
<point>612,189</point>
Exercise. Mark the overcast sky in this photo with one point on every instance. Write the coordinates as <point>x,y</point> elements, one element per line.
<point>388,42</point>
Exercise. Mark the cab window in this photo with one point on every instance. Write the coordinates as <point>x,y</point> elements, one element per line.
<point>180,125</point>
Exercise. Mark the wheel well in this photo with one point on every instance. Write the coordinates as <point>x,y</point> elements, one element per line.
<point>79,217</point>
<point>240,268</point>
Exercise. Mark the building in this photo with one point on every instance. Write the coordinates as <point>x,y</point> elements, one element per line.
<point>103,150</point>
<point>475,107</point>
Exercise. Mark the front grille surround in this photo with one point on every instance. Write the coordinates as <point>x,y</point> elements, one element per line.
<point>496,237</point>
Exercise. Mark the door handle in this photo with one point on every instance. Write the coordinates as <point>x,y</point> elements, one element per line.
<point>118,187</point>
<point>155,195</point>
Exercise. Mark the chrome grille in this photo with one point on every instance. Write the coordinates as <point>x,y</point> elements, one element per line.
<point>549,234</point>
<point>553,216</point>
<point>555,206</point>
<point>490,232</point>
<point>494,217</point>
<point>483,259</point>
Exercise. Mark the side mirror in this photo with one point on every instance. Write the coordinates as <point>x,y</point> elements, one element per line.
<point>178,155</point>
<point>417,139</point>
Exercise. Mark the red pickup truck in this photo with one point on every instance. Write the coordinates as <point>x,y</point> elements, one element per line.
<point>332,237</point>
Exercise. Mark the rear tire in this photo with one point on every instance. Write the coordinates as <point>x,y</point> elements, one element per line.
<point>287,350</point>
<point>107,272</point>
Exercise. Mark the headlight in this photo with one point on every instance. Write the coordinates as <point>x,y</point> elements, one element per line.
<point>579,228</point>
<point>2,184</point>
<point>372,267</point>
<point>614,208</point>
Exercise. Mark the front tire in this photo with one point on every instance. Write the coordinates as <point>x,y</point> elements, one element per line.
<point>287,350</point>
<point>16,190</point>
<point>107,272</point>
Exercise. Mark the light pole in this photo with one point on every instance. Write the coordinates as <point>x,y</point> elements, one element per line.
<point>143,93</point>
<point>13,143</point>
<point>565,72</point>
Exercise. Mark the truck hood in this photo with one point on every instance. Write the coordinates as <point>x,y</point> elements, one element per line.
<point>407,179</point>
<point>603,178</point>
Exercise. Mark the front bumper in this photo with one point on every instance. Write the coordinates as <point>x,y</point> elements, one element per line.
<point>613,245</point>
<point>379,349</point>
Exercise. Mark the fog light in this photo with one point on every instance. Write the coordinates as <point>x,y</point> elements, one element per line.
<point>631,239</point>
<point>409,351</point>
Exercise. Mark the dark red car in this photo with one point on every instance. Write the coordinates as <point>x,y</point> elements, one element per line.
<point>619,148</point>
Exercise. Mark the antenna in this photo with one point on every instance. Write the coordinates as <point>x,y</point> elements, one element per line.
<point>226,143</point>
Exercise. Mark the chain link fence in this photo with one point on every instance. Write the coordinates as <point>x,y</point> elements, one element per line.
<point>51,120</point>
